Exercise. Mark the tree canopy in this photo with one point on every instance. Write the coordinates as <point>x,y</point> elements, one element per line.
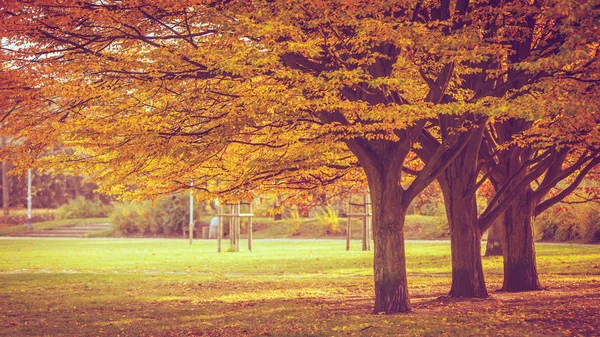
<point>256,95</point>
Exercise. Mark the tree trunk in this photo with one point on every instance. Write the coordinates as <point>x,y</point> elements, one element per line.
<point>5,189</point>
<point>382,162</point>
<point>391,286</point>
<point>520,270</point>
<point>465,234</point>
<point>493,246</point>
<point>5,184</point>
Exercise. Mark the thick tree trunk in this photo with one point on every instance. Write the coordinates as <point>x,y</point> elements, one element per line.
<point>465,241</point>
<point>382,162</point>
<point>391,286</point>
<point>465,234</point>
<point>520,270</point>
<point>493,246</point>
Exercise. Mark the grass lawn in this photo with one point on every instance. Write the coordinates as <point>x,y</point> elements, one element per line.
<point>145,287</point>
<point>416,227</point>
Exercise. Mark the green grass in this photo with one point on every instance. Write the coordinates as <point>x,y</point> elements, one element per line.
<point>104,233</point>
<point>157,287</point>
<point>417,227</point>
<point>51,224</point>
<point>269,228</point>
<point>23,211</point>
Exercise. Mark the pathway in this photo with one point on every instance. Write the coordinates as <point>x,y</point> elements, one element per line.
<point>68,231</point>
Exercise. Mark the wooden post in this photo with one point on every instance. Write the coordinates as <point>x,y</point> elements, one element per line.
<point>231,227</point>
<point>237,227</point>
<point>364,234</point>
<point>367,222</point>
<point>349,224</point>
<point>220,228</point>
<point>250,227</point>
<point>365,216</point>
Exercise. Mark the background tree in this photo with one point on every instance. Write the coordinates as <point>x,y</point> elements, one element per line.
<point>537,56</point>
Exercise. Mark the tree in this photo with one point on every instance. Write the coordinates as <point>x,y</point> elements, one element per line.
<point>252,96</point>
<point>493,245</point>
<point>539,56</point>
<point>563,159</point>
<point>5,184</point>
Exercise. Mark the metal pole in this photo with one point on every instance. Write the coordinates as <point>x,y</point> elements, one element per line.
<point>29,226</point>
<point>191,229</point>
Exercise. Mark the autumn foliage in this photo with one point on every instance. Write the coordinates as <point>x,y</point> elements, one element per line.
<point>250,97</point>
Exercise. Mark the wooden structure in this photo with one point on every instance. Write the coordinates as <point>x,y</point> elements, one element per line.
<point>235,215</point>
<point>363,213</point>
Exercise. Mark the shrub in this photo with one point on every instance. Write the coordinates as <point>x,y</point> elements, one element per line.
<point>165,216</point>
<point>422,227</point>
<point>20,217</point>
<point>264,207</point>
<point>82,208</point>
<point>294,215</point>
<point>329,217</point>
<point>578,222</point>
<point>433,209</point>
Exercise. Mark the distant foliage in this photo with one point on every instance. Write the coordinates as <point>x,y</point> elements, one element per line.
<point>294,216</point>
<point>329,217</point>
<point>50,190</point>
<point>579,222</point>
<point>422,227</point>
<point>83,208</point>
<point>166,216</point>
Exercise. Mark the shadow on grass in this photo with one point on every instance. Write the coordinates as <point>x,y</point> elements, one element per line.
<point>83,305</point>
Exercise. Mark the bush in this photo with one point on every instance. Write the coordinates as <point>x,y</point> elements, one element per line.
<point>422,227</point>
<point>329,217</point>
<point>433,209</point>
<point>20,217</point>
<point>294,217</point>
<point>81,207</point>
<point>578,222</point>
<point>166,216</point>
<point>264,207</point>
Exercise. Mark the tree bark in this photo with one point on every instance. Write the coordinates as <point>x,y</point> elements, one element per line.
<point>391,286</point>
<point>457,182</point>
<point>5,184</point>
<point>382,162</point>
<point>465,238</point>
<point>493,246</point>
<point>520,270</point>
